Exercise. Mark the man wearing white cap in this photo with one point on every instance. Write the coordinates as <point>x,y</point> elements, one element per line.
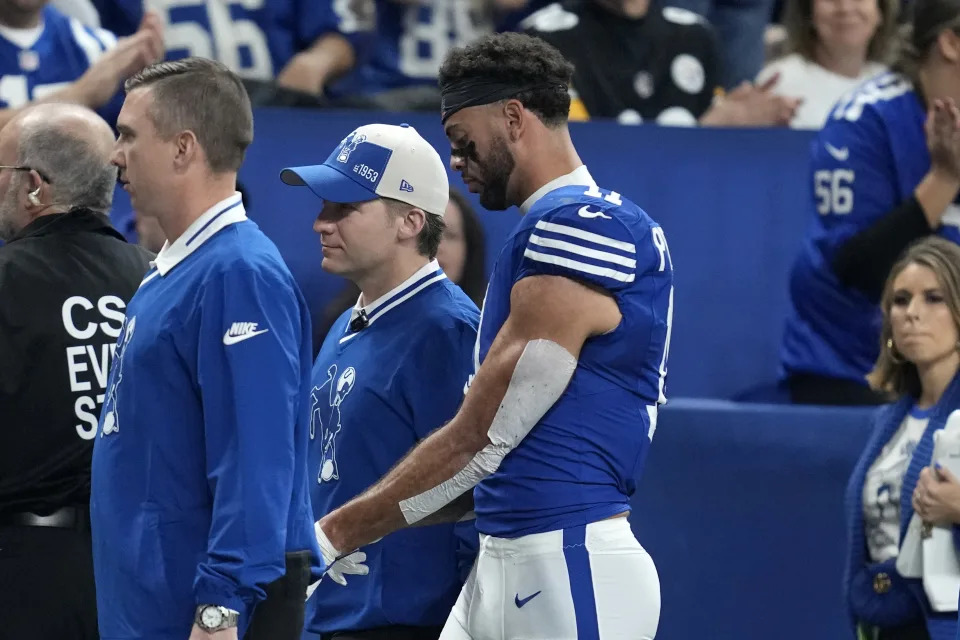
<point>391,370</point>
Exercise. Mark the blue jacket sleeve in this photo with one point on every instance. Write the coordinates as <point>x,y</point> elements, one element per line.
<point>249,375</point>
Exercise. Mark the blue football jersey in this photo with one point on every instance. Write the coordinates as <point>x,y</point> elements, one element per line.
<point>580,462</point>
<point>63,52</point>
<point>376,393</point>
<point>400,44</point>
<point>254,38</point>
<point>867,160</point>
<point>199,472</point>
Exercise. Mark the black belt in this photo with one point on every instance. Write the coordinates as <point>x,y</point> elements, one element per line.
<point>64,518</point>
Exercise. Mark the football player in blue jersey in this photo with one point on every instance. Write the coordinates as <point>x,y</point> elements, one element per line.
<point>391,370</point>
<point>886,172</point>
<point>571,362</point>
<point>46,56</point>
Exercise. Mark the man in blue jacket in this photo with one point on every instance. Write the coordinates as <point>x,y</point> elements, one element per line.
<point>391,370</point>
<point>200,506</point>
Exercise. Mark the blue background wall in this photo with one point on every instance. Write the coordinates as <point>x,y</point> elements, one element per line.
<point>741,508</point>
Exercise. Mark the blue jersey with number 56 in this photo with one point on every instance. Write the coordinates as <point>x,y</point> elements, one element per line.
<point>254,38</point>
<point>580,462</point>
<point>867,160</point>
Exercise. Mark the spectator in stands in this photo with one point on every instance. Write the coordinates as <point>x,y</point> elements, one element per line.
<point>266,42</point>
<point>389,51</point>
<point>881,179</point>
<point>47,57</point>
<point>649,66</point>
<point>741,26</point>
<point>461,256</point>
<point>82,10</point>
<point>917,367</point>
<point>834,46</point>
<point>462,250</point>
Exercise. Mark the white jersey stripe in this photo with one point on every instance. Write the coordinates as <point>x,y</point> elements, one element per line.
<point>586,235</point>
<point>577,249</point>
<point>150,276</point>
<point>576,265</point>
<point>92,47</point>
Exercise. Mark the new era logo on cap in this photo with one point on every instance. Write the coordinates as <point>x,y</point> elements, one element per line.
<point>379,160</point>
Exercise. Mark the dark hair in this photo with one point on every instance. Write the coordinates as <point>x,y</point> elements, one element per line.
<point>803,37</point>
<point>473,280</point>
<point>892,374</point>
<point>244,196</point>
<point>520,59</point>
<point>928,19</point>
<point>428,240</point>
<point>205,97</point>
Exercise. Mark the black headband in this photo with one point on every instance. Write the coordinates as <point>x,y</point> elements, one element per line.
<point>472,92</point>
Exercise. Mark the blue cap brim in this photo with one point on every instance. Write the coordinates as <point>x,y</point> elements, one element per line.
<point>327,183</point>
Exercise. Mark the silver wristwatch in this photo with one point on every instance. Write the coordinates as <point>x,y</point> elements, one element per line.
<point>211,617</point>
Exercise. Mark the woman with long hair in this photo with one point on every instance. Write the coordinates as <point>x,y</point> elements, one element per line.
<point>917,369</point>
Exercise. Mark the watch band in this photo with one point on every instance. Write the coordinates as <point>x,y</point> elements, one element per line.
<point>228,618</point>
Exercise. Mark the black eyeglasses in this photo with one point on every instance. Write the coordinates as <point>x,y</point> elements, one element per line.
<point>19,168</point>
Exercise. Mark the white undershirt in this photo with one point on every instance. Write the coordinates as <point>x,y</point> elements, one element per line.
<point>819,87</point>
<point>882,485</point>
<point>23,38</point>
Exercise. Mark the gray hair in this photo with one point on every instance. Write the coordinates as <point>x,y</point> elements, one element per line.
<point>80,174</point>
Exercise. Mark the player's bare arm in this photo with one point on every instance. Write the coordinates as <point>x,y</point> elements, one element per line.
<point>554,309</point>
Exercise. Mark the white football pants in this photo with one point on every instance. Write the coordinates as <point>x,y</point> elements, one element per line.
<point>592,582</point>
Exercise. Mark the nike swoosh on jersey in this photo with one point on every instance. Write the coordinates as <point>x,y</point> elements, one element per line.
<point>585,212</point>
<point>840,155</point>
<point>229,339</point>
<point>517,601</point>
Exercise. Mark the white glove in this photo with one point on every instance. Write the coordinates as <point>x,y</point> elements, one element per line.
<point>338,568</point>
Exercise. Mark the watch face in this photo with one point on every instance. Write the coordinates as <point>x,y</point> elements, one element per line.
<point>211,617</point>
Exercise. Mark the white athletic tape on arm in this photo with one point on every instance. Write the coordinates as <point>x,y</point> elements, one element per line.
<point>542,373</point>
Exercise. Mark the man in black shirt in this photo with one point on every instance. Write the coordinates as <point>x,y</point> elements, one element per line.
<point>640,64</point>
<point>65,278</point>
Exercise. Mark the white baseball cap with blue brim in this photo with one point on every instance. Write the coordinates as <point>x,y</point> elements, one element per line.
<point>379,161</point>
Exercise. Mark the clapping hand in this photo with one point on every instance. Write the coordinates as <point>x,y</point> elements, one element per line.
<point>942,130</point>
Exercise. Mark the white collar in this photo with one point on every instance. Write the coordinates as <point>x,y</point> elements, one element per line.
<point>23,38</point>
<point>579,176</point>
<point>424,277</point>
<point>220,215</point>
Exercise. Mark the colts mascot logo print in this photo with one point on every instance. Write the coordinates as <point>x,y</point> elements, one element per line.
<point>325,418</point>
<point>111,421</point>
<point>349,144</point>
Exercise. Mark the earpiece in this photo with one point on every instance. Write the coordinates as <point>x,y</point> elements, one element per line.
<point>34,197</point>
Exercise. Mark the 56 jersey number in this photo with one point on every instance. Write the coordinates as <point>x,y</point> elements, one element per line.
<point>225,37</point>
<point>834,191</point>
